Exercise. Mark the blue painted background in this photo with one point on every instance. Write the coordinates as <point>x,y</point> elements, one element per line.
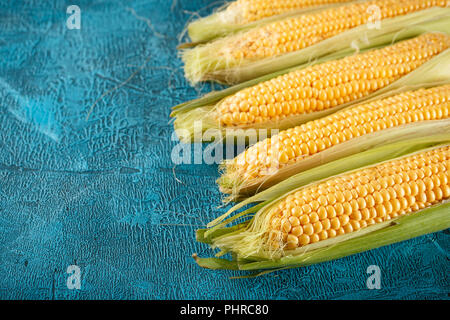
<point>103,193</point>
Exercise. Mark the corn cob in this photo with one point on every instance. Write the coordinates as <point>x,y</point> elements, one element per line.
<point>293,34</point>
<point>329,84</point>
<point>354,201</point>
<point>363,122</point>
<point>241,14</point>
<point>319,90</point>
<point>344,214</point>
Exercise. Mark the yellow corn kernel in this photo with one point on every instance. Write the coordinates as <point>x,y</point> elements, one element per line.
<point>246,11</point>
<point>329,84</point>
<point>405,108</point>
<point>431,165</point>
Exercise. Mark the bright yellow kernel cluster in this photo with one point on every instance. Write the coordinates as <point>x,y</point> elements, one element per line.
<point>295,144</point>
<point>353,201</point>
<point>329,84</point>
<point>252,10</point>
<point>296,33</point>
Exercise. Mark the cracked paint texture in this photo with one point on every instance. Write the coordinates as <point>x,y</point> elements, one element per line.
<point>101,192</point>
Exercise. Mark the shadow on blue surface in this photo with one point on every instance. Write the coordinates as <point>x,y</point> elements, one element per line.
<point>104,194</point>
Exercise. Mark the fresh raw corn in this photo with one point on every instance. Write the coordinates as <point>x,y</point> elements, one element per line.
<point>242,14</point>
<point>319,90</point>
<point>354,201</point>
<point>295,34</point>
<point>330,84</point>
<point>364,122</point>
<point>351,212</point>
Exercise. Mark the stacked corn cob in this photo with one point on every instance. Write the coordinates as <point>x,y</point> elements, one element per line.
<point>224,59</point>
<point>363,154</point>
<point>316,91</point>
<point>296,148</point>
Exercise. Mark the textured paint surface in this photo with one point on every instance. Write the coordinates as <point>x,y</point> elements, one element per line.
<point>104,194</point>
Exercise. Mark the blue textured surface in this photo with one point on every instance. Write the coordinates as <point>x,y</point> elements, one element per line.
<point>104,194</point>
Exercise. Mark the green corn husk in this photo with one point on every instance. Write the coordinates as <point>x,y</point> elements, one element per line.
<point>231,183</point>
<point>203,63</point>
<point>242,240</point>
<point>222,23</point>
<point>196,118</point>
